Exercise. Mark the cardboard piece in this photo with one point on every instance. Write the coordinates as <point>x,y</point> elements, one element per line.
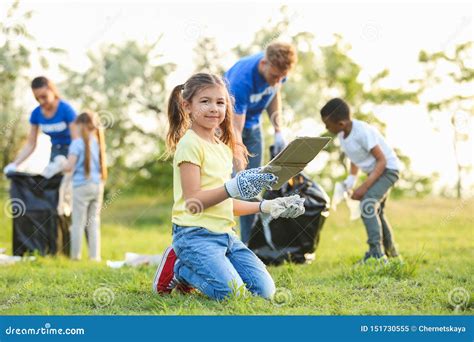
<point>294,158</point>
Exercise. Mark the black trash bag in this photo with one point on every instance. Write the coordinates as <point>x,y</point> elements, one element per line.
<point>34,202</point>
<point>293,240</point>
<point>64,235</point>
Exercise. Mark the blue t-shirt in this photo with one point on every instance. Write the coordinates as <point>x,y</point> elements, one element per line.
<point>252,94</point>
<point>56,127</point>
<point>77,148</point>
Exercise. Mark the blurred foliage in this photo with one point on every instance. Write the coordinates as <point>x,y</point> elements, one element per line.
<point>456,69</point>
<point>125,85</point>
<point>326,72</point>
<point>18,50</point>
<point>207,57</point>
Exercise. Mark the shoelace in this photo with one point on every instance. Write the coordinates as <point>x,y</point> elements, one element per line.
<point>173,283</point>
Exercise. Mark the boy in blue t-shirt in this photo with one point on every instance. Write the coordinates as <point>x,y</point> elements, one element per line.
<point>254,82</point>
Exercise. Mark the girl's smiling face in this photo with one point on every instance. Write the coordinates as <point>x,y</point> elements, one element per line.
<point>208,107</point>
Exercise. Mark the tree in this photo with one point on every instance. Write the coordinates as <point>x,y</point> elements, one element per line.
<point>322,73</point>
<point>17,52</point>
<point>207,56</point>
<point>125,85</point>
<point>453,70</point>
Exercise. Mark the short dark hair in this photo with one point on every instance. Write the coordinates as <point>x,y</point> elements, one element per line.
<point>336,110</point>
<point>41,81</point>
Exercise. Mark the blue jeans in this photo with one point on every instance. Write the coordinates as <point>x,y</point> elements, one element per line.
<point>58,150</point>
<point>216,263</point>
<point>253,140</point>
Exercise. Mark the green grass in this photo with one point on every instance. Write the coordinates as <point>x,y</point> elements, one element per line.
<point>435,237</point>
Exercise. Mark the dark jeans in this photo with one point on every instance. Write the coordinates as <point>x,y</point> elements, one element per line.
<point>372,207</point>
<point>58,150</point>
<point>253,140</point>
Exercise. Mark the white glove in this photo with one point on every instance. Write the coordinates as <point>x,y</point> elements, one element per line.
<point>61,161</point>
<point>337,195</point>
<point>279,143</point>
<point>9,168</point>
<point>349,182</point>
<point>249,183</point>
<point>288,207</point>
<point>54,167</point>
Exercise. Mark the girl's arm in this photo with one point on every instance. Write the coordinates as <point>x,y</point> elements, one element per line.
<point>197,199</point>
<point>192,192</point>
<point>242,208</point>
<point>70,163</point>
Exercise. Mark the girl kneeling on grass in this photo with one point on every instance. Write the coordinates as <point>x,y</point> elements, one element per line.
<point>87,158</point>
<point>206,254</point>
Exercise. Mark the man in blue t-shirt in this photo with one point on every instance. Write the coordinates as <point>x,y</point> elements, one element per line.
<point>254,82</point>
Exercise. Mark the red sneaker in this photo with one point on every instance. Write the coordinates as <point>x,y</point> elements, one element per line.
<point>165,280</point>
<point>184,288</point>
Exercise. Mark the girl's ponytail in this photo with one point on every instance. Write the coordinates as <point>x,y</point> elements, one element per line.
<point>89,123</point>
<point>87,150</point>
<point>102,155</point>
<point>179,121</point>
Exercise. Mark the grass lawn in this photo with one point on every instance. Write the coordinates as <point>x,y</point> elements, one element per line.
<point>435,237</point>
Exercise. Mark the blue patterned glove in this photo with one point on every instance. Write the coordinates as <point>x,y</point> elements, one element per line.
<point>249,183</point>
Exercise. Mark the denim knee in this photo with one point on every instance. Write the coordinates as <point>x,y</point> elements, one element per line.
<point>222,291</point>
<point>266,290</point>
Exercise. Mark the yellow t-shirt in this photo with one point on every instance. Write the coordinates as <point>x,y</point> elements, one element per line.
<point>215,161</point>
